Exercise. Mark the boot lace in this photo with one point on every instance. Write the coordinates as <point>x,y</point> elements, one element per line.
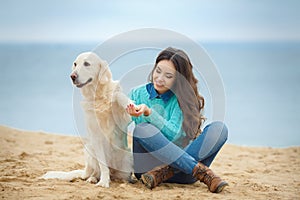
<point>164,173</point>
<point>208,179</point>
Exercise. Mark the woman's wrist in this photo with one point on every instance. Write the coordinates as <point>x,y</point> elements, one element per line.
<point>147,112</point>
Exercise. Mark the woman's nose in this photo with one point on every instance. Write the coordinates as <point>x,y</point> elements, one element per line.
<point>160,78</point>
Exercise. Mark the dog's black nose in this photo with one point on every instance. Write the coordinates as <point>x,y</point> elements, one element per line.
<point>73,76</point>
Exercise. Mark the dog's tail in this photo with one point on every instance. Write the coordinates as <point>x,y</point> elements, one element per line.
<point>68,176</point>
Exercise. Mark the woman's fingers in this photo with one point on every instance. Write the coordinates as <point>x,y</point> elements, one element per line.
<point>136,110</point>
<point>132,110</point>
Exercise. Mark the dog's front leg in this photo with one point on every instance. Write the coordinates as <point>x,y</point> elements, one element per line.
<point>88,171</point>
<point>90,162</point>
<point>121,99</point>
<point>104,177</point>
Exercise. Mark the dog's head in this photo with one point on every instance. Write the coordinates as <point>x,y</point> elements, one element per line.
<point>89,68</point>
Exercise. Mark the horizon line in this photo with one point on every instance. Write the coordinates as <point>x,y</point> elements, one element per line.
<point>103,40</point>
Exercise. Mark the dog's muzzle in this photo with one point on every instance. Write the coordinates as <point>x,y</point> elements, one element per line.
<point>74,78</point>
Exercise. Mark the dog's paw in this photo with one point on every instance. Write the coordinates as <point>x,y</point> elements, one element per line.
<point>85,176</point>
<point>92,180</point>
<point>103,183</point>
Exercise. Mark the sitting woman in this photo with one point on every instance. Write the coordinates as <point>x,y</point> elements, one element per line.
<point>168,143</point>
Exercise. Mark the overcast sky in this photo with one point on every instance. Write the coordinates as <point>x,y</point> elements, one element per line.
<point>96,20</point>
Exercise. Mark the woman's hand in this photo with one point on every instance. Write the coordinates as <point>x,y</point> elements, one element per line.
<point>138,110</point>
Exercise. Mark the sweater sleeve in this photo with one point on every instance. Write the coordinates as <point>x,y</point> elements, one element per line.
<point>171,128</point>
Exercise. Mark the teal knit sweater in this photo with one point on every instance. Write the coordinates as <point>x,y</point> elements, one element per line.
<point>166,114</point>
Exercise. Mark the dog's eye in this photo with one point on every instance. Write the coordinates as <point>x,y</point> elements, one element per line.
<point>74,64</point>
<point>86,64</point>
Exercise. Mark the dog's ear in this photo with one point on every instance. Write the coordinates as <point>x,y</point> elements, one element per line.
<point>104,74</point>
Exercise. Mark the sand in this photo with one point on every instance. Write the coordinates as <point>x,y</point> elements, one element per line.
<point>252,172</point>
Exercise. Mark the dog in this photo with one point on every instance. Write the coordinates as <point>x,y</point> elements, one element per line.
<point>107,155</point>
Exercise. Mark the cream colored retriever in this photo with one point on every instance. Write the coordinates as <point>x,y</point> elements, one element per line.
<point>106,153</point>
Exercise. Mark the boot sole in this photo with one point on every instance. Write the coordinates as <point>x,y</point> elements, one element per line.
<point>132,179</point>
<point>221,187</point>
<point>148,181</point>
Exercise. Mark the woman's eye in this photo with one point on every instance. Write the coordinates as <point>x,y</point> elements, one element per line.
<point>169,76</point>
<point>86,64</point>
<point>157,71</point>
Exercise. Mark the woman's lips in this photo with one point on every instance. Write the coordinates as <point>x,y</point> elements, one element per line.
<point>158,85</point>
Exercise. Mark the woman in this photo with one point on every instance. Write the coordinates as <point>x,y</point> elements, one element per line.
<point>167,143</point>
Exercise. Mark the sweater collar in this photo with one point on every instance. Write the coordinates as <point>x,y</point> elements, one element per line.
<point>153,93</point>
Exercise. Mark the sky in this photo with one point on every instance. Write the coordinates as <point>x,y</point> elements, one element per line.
<point>97,20</point>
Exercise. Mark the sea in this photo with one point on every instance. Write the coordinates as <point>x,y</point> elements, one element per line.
<point>260,84</point>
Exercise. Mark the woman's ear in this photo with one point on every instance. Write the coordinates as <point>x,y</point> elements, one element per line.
<point>104,74</point>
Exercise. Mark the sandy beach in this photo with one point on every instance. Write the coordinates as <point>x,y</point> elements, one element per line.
<point>252,172</point>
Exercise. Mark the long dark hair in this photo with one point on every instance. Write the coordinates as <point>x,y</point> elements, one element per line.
<point>186,90</point>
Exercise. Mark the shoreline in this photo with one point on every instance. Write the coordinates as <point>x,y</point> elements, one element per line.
<point>78,136</point>
<point>252,172</point>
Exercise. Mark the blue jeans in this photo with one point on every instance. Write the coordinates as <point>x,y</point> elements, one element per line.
<point>151,148</point>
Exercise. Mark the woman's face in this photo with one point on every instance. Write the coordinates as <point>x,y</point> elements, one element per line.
<point>163,76</point>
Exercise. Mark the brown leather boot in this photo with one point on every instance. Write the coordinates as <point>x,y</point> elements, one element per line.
<point>214,183</point>
<point>157,175</point>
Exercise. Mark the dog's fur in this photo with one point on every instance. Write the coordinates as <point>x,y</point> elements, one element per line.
<point>106,152</point>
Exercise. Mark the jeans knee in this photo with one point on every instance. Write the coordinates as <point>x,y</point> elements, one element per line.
<point>144,131</point>
<point>221,129</point>
<point>139,129</point>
